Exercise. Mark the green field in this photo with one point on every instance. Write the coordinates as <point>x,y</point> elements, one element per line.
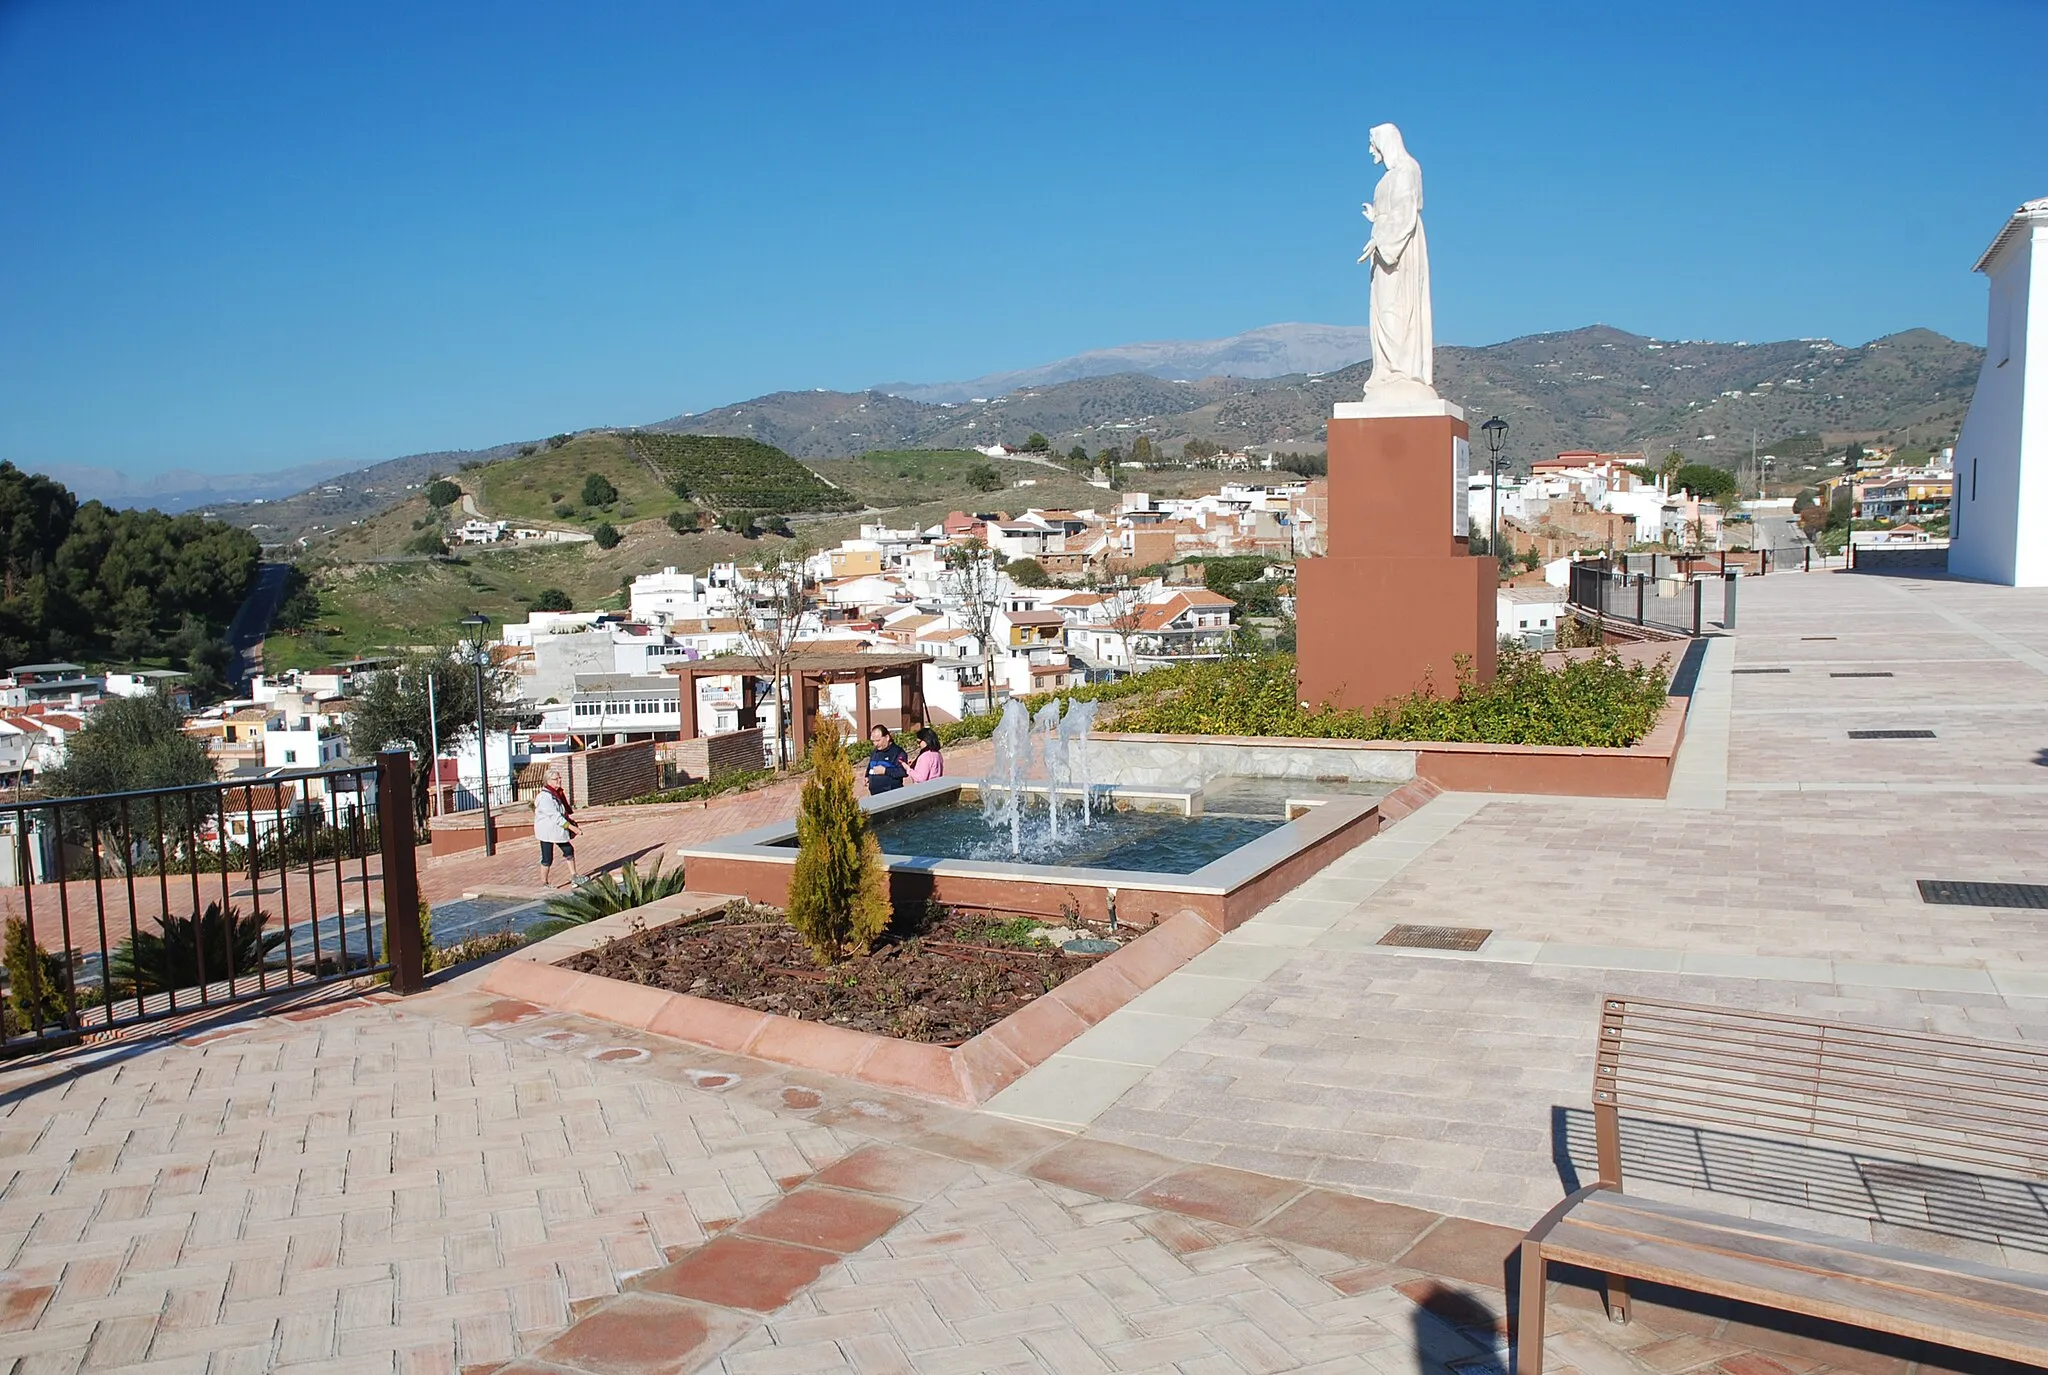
<point>960,478</point>
<point>729,474</point>
<point>530,489</point>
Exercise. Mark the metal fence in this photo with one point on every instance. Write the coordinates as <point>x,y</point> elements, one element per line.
<point>129,908</point>
<point>1670,602</point>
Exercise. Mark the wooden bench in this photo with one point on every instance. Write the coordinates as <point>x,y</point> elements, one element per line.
<point>1925,1107</point>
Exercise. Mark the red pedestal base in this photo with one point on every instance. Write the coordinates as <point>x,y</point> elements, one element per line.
<point>1398,601</point>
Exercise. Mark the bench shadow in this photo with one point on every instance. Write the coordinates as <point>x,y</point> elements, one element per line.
<point>1928,1204</point>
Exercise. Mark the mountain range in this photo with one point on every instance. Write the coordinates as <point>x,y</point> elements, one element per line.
<point>1269,351</point>
<point>1591,388</point>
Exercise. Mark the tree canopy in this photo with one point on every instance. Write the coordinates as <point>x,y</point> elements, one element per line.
<point>393,710</point>
<point>441,492</point>
<point>91,581</point>
<point>130,743</point>
<point>1705,480</point>
<point>598,490</point>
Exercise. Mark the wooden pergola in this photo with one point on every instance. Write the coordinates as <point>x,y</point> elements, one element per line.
<point>811,674</point>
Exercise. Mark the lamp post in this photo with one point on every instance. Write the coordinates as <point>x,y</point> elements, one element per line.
<point>1496,432</point>
<point>479,623</point>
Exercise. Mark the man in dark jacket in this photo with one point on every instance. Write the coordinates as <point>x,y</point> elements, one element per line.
<point>886,765</point>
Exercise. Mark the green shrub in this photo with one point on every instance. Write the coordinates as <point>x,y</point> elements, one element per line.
<point>428,542</point>
<point>475,947</point>
<point>839,891</point>
<point>598,490</point>
<point>607,535</point>
<point>709,787</point>
<point>605,895</point>
<point>682,522</point>
<point>553,599</point>
<point>1600,701</point>
<point>35,981</point>
<point>153,962</point>
<point>441,492</point>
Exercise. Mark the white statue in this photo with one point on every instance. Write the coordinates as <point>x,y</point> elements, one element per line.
<point>1403,342</point>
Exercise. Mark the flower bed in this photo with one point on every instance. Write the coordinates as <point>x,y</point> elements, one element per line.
<point>953,980</point>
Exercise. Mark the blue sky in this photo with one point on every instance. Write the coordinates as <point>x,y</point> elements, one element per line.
<point>238,236</point>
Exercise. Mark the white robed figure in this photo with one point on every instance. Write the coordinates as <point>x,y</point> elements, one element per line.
<point>1403,340</point>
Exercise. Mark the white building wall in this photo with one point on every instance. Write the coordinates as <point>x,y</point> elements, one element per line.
<point>1999,514</point>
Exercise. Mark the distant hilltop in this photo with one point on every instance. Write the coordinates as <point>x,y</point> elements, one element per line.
<point>1269,351</point>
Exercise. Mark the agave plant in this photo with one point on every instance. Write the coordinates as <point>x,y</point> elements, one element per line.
<point>604,895</point>
<point>152,962</point>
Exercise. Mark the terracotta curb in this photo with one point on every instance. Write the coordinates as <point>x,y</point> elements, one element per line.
<point>964,1075</point>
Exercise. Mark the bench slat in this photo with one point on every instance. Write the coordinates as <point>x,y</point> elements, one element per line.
<point>1840,1298</point>
<point>1773,1243</point>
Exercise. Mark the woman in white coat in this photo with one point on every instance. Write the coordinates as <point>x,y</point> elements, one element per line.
<point>554,827</point>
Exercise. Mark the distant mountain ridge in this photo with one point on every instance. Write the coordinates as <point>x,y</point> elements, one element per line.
<point>1596,387</point>
<point>1269,351</point>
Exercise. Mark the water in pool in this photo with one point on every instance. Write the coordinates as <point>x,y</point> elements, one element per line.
<point>1156,842</point>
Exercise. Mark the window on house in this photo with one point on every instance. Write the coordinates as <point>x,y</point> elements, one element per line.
<point>291,756</point>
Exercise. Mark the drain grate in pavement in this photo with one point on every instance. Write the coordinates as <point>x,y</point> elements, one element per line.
<point>1437,937</point>
<point>1891,735</point>
<point>1763,670</point>
<point>1816,637</point>
<point>1958,893</point>
<point>1864,673</point>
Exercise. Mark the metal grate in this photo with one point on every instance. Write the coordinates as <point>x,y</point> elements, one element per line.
<point>1763,670</point>
<point>1891,735</point>
<point>1950,892</point>
<point>1864,673</point>
<point>1437,937</point>
<point>1816,637</point>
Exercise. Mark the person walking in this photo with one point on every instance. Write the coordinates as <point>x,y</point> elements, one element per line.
<point>554,827</point>
<point>886,764</point>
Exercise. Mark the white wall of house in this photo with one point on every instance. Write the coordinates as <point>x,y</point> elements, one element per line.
<point>1999,514</point>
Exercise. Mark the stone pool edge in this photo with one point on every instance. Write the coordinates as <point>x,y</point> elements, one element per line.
<point>1225,891</point>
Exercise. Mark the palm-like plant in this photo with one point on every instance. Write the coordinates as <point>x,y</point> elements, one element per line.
<point>151,962</point>
<point>604,895</point>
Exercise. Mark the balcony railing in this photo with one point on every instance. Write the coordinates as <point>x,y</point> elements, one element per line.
<point>142,906</point>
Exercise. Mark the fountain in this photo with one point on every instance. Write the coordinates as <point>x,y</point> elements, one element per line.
<point>1053,745</point>
<point>1002,793</point>
<point>1080,719</point>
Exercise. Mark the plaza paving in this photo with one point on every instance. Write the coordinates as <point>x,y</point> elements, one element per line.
<point>1301,1152</point>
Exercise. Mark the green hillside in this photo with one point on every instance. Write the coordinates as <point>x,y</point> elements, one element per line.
<point>733,474</point>
<point>546,487</point>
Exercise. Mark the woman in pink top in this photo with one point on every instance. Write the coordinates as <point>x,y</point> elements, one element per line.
<point>926,763</point>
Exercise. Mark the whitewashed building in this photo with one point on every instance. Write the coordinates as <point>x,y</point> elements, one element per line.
<point>1998,518</point>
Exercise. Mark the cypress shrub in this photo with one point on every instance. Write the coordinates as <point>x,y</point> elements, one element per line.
<point>35,981</point>
<point>839,893</point>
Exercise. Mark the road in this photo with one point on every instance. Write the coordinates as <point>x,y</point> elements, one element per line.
<point>252,621</point>
<point>1778,532</point>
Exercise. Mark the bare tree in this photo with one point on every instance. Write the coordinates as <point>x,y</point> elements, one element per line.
<point>1123,611</point>
<point>774,600</point>
<point>975,587</point>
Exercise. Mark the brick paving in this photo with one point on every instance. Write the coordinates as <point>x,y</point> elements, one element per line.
<point>1323,1167</point>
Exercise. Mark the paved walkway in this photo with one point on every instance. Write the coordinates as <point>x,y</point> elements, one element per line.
<point>1303,1151</point>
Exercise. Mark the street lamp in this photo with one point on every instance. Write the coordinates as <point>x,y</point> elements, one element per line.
<point>478,623</point>
<point>1496,431</point>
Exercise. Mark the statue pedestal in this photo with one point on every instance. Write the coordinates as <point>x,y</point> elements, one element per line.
<point>1397,599</point>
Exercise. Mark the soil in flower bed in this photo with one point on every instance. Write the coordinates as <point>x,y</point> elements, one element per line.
<point>960,975</point>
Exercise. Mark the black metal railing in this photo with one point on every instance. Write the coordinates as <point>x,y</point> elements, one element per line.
<point>1670,603</point>
<point>126,908</point>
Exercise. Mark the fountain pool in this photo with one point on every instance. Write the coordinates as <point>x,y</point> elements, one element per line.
<point>1163,842</point>
<point>1143,854</point>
